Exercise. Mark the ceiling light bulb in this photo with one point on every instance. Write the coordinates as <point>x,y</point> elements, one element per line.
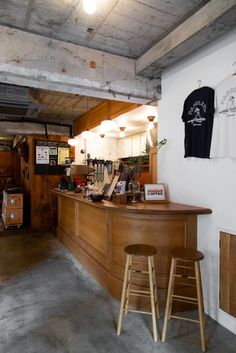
<point>89,6</point>
<point>108,125</point>
<point>122,131</point>
<point>151,123</point>
<point>73,142</point>
<point>87,134</point>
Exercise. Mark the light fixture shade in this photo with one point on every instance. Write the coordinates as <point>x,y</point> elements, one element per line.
<point>122,131</point>
<point>87,134</point>
<point>73,142</point>
<point>108,125</point>
<point>151,123</point>
<point>89,6</point>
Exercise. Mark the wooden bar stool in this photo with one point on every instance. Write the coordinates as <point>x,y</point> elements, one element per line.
<point>147,251</point>
<point>186,260</point>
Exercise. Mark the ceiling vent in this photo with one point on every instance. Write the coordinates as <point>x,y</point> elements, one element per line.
<point>15,101</point>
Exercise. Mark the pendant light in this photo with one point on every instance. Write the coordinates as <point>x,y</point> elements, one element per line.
<point>122,131</point>
<point>86,134</point>
<point>89,6</point>
<point>151,123</point>
<point>108,124</point>
<point>73,141</point>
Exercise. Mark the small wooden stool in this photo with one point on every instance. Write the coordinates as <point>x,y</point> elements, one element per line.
<point>139,250</point>
<point>183,258</point>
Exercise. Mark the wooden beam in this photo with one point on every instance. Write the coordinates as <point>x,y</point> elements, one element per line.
<point>35,61</point>
<point>105,110</point>
<point>202,18</point>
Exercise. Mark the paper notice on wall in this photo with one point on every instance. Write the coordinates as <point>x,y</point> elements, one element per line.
<point>63,153</point>
<point>42,155</point>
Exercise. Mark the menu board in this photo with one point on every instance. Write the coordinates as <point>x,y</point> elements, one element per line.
<point>50,157</point>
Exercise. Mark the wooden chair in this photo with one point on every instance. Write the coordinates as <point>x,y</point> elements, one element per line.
<point>147,251</point>
<point>186,261</point>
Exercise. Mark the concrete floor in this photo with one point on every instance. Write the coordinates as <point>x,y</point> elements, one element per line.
<point>50,304</point>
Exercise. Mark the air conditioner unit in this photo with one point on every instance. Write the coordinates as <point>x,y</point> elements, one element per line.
<point>15,101</point>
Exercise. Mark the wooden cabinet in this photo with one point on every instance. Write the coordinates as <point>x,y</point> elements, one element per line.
<point>132,146</point>
<point>12,209</point>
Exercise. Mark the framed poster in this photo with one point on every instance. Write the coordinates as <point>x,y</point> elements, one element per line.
<point>50,157</point>
<point>155,192</point>
<point>42,155</point>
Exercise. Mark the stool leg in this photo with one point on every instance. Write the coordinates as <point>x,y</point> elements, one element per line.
<point>155,288</point>
<point>200,305</point>
<point>123,295</point>
<point>128,284</point>
<point>153,309</point>
<point>169,298</point>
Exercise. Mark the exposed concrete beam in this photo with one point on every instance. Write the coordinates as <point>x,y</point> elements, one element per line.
<point>201,19</point>
<point>35,61</point>
<point>29,128</point>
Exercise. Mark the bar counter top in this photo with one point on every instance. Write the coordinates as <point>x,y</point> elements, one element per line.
<point>161,208</point>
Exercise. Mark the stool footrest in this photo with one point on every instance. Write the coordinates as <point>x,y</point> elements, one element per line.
<point>184,318</point>
<point>182,266</point>
<point>184,276</point>
<point>138,291</point>
<point>133,270</point>
<point>139,311</point>
<point>139,295</point>
<point>183,301</point>
<point>184,298</point>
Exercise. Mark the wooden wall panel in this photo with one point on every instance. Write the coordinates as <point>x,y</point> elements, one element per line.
<point>107,109</point>
<point>67,216</point>
<point>92,227</point>
<point>9,168</point>
<point>167,233</point>
<point>228,273</point>
<point>41,201</point>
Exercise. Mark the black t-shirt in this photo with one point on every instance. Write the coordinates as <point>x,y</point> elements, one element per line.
<point>198,113</point>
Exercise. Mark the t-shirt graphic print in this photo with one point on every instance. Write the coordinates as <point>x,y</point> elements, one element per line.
<point>224,128</point>
<point>198,114</point>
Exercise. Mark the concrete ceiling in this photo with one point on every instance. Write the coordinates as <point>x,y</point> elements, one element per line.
<point>125,27</point>
<point>129,28</point>
<point>116,53</point>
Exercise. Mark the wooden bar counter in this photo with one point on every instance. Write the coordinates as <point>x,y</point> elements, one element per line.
<point>97,232</point>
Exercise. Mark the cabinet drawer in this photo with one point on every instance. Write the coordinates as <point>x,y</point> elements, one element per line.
<point>12,216</point>
<point>13,200</point>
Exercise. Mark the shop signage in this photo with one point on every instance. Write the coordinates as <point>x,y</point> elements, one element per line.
<point>155,192</point>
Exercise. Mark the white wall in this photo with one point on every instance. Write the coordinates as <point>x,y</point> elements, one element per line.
<point>208,183</point>
<point>104,148</point>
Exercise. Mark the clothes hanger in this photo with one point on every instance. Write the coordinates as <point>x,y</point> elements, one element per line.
<point>199,82</point>
<point>234,65</point>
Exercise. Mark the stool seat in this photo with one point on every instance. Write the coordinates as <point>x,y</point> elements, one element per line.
<point>187,254</point>
<point>140,250</point>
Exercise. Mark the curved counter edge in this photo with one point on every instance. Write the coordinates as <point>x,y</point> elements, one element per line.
<point>164,208</point>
